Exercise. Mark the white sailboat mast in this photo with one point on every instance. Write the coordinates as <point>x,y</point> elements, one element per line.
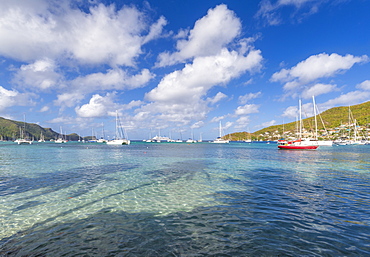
<point>300,118</point>
<point>315,114</point>
<point>116,124</point>
<point>220,130</point>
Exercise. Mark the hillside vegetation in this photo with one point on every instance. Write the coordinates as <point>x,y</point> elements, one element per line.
<point>331,119</point>
<point>10,130</point>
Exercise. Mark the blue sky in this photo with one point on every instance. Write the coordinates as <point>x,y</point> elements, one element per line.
<point>173,67</point>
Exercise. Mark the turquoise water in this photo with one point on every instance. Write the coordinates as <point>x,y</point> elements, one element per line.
<point>169,199</point>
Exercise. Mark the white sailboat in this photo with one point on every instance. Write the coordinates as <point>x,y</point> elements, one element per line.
<point>42,138</point>
<point>22,140</point>
<point>319,142</point>
<point>119,138</point>
<point>219,139</point>
<point>61,139</point>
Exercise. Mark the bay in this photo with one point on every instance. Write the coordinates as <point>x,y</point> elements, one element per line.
<point>169,199</point>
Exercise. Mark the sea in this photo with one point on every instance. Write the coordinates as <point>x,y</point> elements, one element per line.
<point>180,199</point>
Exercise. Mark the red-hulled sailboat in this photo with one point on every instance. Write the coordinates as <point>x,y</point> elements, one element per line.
<point>299,144</point>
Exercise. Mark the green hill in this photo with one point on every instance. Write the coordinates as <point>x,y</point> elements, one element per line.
<point>331,118</point>
<point>10,130</point>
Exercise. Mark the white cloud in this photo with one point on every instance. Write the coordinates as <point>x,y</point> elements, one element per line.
<point>318,66</point>
<point>313,68</point>
<point>45,109</point>
<point>318,89</point>
<point>270,13</point>
<point>210,34</point>
<point>155,29</point>
<point>97,107</point>
<point>268,123</point>
<point>218,97</point>
<point>54,29</point>
<point>180,96</point>
<point>114,79</point>
<point>68,99</point>
<point>9,98</point>
<point>227,125</point>
<point>364,85</point>
<point>243,99</point>
<point>102,106</point>
<point>197,125</point>
<point>242,122</point>
<point>247,109</point>
<point>189,84</point>
<point>291,112</point>
<point>41,74</point>
<point>217,119</point>
<point>351,98</point>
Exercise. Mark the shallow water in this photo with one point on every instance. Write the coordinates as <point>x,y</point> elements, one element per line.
<point>169,199</point>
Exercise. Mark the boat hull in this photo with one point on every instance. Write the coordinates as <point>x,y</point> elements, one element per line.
<point>298,147</point>
<point>118,142</point>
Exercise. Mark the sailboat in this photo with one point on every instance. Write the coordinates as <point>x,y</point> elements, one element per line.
<point>102,139</point>
<point>299,144</point>
<point>319,142</point>
<point>42,138</point>
<point>219,139</point>
<point>22,140</point>
<point>119,137</point>
<point>191,140</point>
<point>61,139</point>
<point>249,139</point>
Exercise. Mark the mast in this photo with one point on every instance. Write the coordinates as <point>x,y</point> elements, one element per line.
<point>300,119</point>
<point>116,124</point>
<point>220,132</point>
<point>314,111</point>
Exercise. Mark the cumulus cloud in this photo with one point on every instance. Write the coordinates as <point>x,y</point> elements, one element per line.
<point>205,72</point>
<point>218,97</point>
<point>41,74</point>
<point>117,79</point>
<point>269,123</point>
<point>291,112</point>
<point>243,99</point>
<point>97,107</point>
<point>364,85</point>
<point>114,79</point>
<point>53,29</point>
<point>313,68</point>
<point>181,96</point>
<point>318,89</point>
<point>318,66</point>
<point>247,109</point>
<point>350,98</point>
<point>242,122</point>
<point>102,106</point>
<point>210,34</point>
<point>9,98</point>
<point>45,109</point>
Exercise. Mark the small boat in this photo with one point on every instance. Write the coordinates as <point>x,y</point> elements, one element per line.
<point>119,139</point>
<point>299,144</point>
<point>23,140</point>
<point>219,139</point>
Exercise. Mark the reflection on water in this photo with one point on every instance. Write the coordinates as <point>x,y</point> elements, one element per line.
<point>184,200</point>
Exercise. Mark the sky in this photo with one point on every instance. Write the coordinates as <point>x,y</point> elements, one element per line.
<point>178,68</point>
